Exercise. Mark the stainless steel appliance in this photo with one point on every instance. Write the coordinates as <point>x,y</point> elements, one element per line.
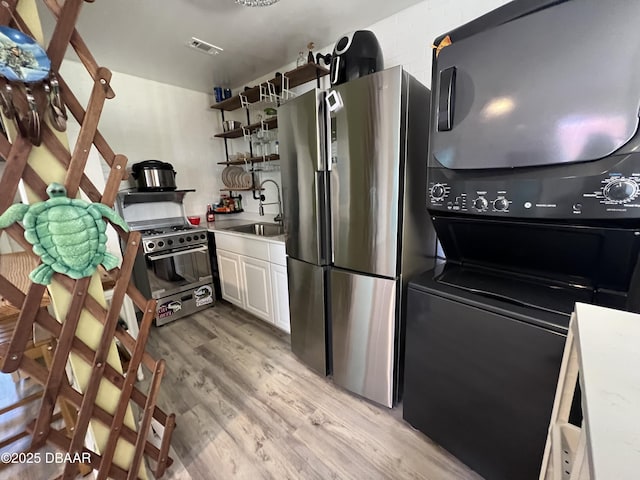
<point>355,55</point>
<point>533,179</point>
<point>173,265</point>
<point>347,294</point>
<point>154,175</point>
<point>302,126</point>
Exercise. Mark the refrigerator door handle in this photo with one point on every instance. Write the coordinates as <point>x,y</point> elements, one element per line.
<point>320,187</point>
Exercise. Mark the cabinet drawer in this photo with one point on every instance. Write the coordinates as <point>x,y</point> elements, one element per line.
<point>243,245</point>
<point>277,254</point>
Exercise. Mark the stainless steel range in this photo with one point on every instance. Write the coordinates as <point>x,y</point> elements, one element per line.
<point>173,265</point>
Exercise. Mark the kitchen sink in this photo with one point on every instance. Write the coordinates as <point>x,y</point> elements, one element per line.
<point>262,229</point>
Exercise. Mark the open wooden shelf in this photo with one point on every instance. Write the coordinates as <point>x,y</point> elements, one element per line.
<point>297,76</point>
<point>272,123</point>
<point>304,74</point>
<point>267,158</point>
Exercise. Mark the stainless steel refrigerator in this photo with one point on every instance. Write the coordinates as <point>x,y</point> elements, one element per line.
<point>302,125</point>
<point>353,166</point>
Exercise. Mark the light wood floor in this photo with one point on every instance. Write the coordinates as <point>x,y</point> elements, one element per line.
<point>248,409</point>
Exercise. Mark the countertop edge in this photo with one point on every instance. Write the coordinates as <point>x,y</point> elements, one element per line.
<point>280,239</point>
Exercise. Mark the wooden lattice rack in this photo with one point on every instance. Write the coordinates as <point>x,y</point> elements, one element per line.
<point>57,388</point>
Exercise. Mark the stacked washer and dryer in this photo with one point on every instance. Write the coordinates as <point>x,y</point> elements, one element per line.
<point>534,191</point>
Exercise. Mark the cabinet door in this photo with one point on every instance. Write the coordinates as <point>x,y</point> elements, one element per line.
<point>257,287</point>
<point>230,277</point>
<point>280,287</point>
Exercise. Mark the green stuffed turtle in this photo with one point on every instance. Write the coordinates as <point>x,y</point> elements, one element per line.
<point>67,233</point>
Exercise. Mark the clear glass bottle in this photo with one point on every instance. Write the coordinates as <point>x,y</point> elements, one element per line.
<point>301,60</point>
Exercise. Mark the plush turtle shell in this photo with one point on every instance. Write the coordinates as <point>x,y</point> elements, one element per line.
<point>68,234</point>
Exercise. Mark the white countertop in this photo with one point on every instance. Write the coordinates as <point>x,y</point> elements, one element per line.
<point>609,353</point>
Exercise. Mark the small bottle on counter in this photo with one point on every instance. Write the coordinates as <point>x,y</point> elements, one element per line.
<point>211,217</point>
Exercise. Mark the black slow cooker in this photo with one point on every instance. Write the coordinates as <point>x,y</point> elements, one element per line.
<point>154,176</point>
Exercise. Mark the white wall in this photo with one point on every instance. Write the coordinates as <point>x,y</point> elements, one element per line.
<point>152,120</point>
<point>405,38</point>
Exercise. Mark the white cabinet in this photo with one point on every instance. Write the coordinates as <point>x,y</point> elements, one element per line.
<point>257,287</point>
<point>253,276</point>
<point>280,287</point>
<point>230,277</point>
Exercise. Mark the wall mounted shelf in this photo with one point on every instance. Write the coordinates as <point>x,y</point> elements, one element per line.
<point>266,158</point>
<point>271,123</point>
<point>297,76</point>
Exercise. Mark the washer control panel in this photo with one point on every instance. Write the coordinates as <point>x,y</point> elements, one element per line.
<point>602,196</point>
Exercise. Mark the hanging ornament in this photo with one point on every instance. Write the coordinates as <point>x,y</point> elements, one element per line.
<point>25,63</point>
<point>21,58</point>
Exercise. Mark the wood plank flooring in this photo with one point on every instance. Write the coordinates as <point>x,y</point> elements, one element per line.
<point>248,409</point>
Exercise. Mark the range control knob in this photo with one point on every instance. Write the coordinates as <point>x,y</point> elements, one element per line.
<point>621,191</point>
<point>438,192</point>
<point>501,204</point>
<point>151,245</point>
<point>480,204</point>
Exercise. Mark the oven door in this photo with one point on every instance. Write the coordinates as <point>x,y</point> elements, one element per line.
<point>178,270</point>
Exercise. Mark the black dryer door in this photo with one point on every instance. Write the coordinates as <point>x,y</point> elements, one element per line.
<point>557,86</point>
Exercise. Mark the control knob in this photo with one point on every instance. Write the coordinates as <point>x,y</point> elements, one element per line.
<point>621,191</point>
<point>151,245</point>
<point>438,192</point>
<point>481,204</point>
<point>501,204</point>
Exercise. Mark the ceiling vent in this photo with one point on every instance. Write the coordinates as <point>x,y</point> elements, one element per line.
<point>203,46</point>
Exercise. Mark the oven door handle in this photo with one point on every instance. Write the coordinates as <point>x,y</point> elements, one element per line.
<point>175,254</point>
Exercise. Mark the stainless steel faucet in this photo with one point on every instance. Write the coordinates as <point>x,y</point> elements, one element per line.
<point>279,219</point>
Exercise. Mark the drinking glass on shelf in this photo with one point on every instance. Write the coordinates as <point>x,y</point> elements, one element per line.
<point>257,148</point>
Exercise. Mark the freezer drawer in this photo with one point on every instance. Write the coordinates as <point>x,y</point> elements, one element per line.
<point>307,294</point>
<point>363,313</point>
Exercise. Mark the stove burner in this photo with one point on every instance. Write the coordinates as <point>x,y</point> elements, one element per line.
<point>152,231</point>
<point>166,230</point>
